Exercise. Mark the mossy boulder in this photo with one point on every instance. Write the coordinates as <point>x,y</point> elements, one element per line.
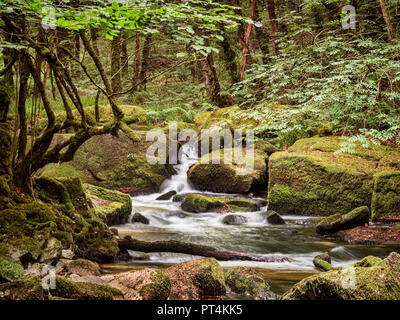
<point>380,281</point>
<point>368,261</point>
<point>145,284</point>
<point>386,195</point>
<point>312,179</point>
<point>59,218</point>
<point>323,262</point>
<point>27,288</point>
<point>112,207</point>
<point>337,222</point>
<point>247,281</point>
<point>113,162</point>
<point>230,177</point>
<point>200,203</point>
<point>10,271</point>
<point>68,289</point>
<point>196,279</point>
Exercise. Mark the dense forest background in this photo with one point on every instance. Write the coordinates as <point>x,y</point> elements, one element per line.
<point>177,59</point>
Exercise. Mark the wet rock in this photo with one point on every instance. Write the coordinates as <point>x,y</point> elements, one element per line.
<point>138,218</point>
<point>323,262</point>
<point>274,218</point>
<point>234,219</point>
<point>137,255</point>
<point>145,284</point>
<point>113,207</point>
<point>114,231</point>
<point>196,279</point>
<point>229,177</point>
<point>290,233</point>
<point>178,197</point>
<point>177,214</point>
<point>200,203</point>
<point>381,281</point>
<point>337,222</point>
<point>83,267</point>
<point>167,195</point>
<point>247,281</point>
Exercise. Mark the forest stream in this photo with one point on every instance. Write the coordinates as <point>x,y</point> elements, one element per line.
<point>295,239</point>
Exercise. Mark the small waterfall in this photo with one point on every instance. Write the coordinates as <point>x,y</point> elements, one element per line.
<point>179,182</point>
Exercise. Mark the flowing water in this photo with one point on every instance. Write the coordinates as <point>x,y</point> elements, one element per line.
<point>295,240</point>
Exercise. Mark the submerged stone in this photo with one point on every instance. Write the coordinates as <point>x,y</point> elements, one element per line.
<point>139,218</point>
<point>234,219</point>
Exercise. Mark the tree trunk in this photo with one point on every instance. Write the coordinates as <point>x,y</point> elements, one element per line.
<point>94,38</point>
<point>261,35</point>
<point>273,22</point>
<point>230,57</point>
<point>136,64</point>
<point>212,83</point>
<point>386,17</point>
<point>22,96</point>
<point>245,49</point>
<point>129,243</point>
<point>124,56</point>
<point>5,147</point>
<point>116,64</point>
<point>145,60</point>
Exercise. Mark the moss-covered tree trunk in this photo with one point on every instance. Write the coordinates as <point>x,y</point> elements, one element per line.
<point>145,60</point>
<point>5,147</point>
<point>116,64</point>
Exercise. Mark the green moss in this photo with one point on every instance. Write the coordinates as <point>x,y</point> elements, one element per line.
<point>368,261</point>
<point>112,207</point>
<point>84,290</point>
<point>312,185</point>
<point>324,265</point>
<point>10,271</point>
<point>28,288</point>
<point>231,177</point>
<point>386,195</point>
<point>357,217</point>
<point>199,203</point>
<point>159,288</point>
<point>210,277</point>
<point>28,226</point>
<point>378,282</point>
<point>246,281</point>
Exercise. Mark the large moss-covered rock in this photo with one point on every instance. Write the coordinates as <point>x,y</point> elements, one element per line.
<point>311,179</point>
<point>337,222</point>
<point>200,203</point>
<point>196,279</point>
<point>230,177</point>
<point>379,281</point>
<point>386,195</point>
<point>65,288</point>
<point>28,288</point>
<point>10,271</point>
<point>113,162</point>
<point>112,207</point>
<point>59,218</point>
<point>145,284</point>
